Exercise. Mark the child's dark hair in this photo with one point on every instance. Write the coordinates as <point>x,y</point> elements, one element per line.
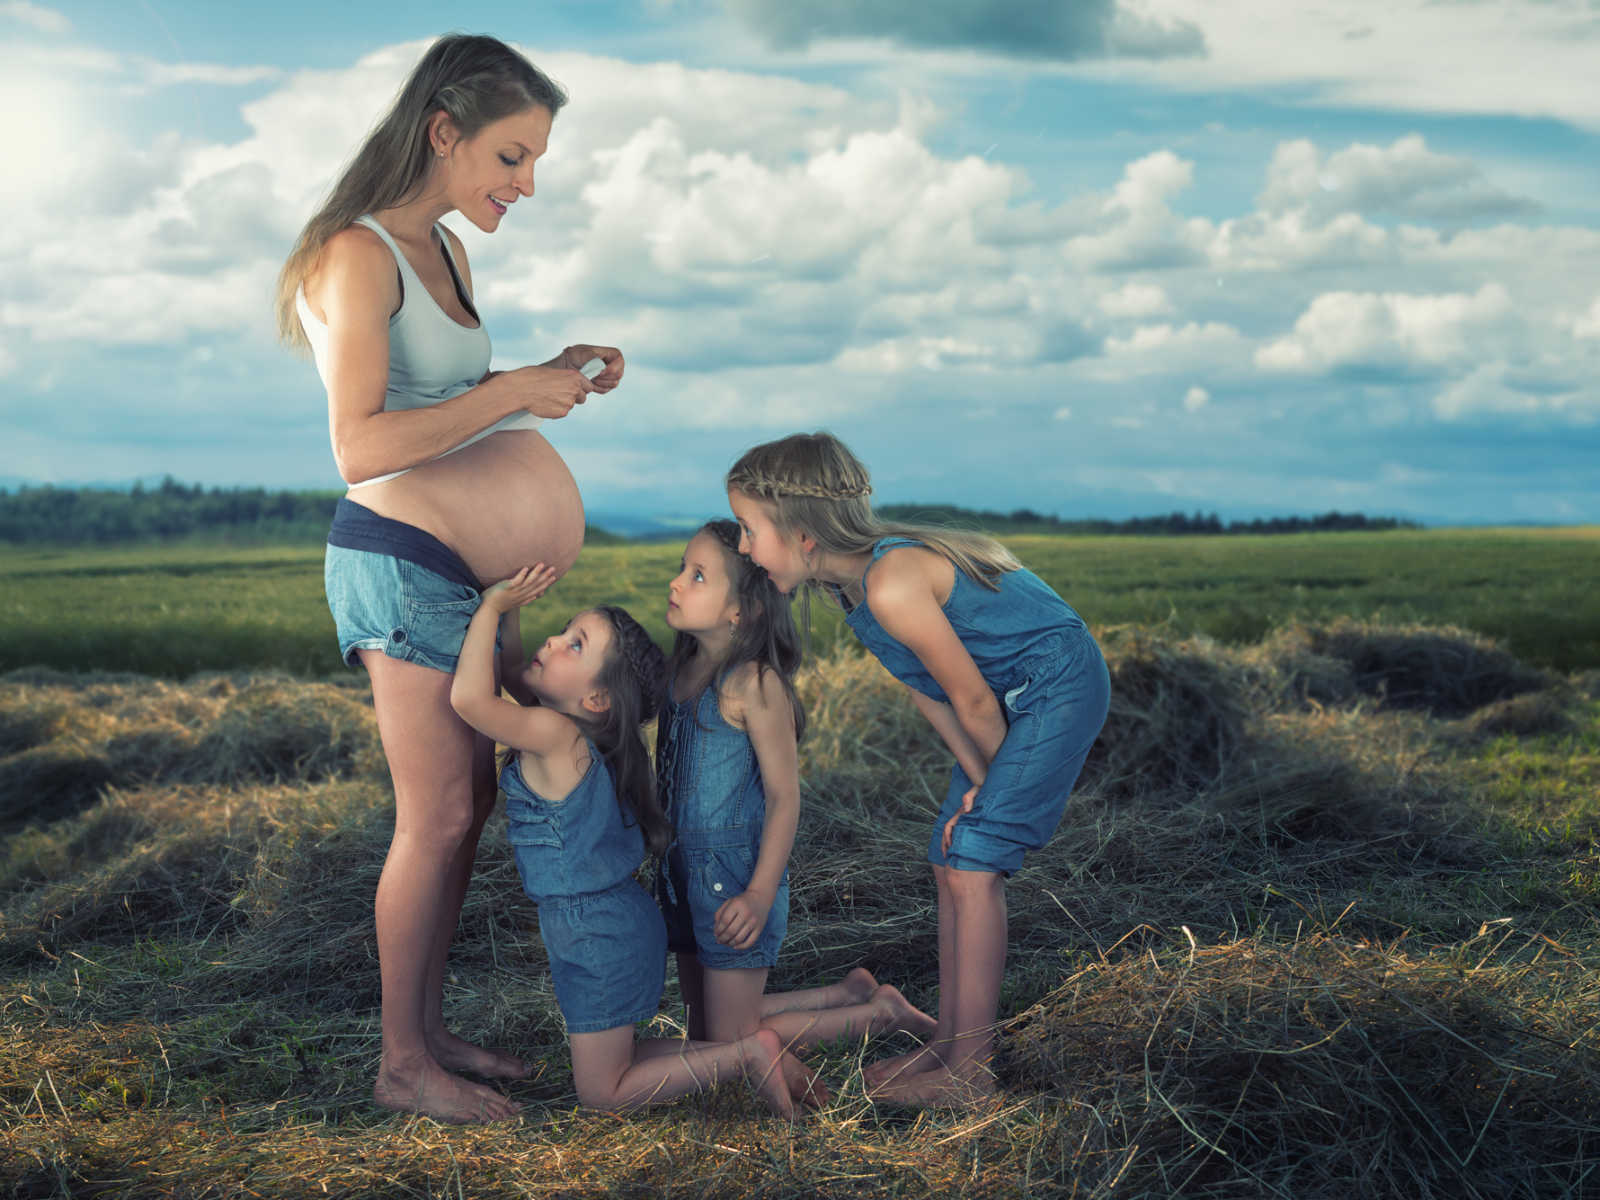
<point>765,634</point>
<point>634,676</point>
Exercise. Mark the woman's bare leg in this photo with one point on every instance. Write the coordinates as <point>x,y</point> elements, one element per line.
<point>452,1052</point>
<point>430,752</point>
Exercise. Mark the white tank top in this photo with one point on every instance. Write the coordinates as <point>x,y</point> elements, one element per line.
<point>432,357</point>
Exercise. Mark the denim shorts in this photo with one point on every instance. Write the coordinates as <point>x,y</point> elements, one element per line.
<point>696,879</point>
<point>396,588</point>
<point>608,956</point>
<point>1052,719</point>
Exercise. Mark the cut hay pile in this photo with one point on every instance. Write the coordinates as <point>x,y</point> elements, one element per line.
<point>1289,941</point>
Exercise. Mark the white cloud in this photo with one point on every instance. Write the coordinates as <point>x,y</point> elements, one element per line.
<point>1170,348</point>
<point>1195,399</point>
<point>1588,325</point>
<point>1392,330</point>
<point>1140,229</point>
<point>1134,299</point>
<point>35,16</point>
<point>1404,178</point>
<point>1523,57</point>
<point>1494,390</point>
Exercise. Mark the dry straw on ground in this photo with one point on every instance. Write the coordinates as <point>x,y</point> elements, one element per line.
<point>1290,941</point>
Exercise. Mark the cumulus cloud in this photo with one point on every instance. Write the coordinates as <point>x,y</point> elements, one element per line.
<point>1392,330</point>
<point>1195,399</point>
<point>1138,229</point>
<point>34,16</point>
<point>1416,55</point>
<point>1403,179</point>
<point>1135,299</point>
<point>1588,325</point>
<point>1494,389</point>
<point>1084,29</point>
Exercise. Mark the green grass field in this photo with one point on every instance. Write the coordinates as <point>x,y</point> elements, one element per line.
<point>175,610</point>
<point>1320,922</point>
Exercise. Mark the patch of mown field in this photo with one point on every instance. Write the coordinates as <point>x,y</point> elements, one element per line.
<point>175,610</point>
<point>1320,923</point>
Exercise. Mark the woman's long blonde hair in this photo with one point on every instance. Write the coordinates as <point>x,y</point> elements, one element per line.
<point>815,484</point>
<point>473,80</point>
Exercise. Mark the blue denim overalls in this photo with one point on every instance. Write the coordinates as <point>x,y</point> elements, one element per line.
<point>1045,669</point>
<point>605,940</point>
<point>711,790</point>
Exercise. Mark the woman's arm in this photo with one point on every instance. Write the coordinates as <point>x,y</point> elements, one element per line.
<point>769,723</point>
<point>356,288</point>
<point>472,690</point>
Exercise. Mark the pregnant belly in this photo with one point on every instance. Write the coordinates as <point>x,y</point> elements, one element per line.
<point>505,502</point>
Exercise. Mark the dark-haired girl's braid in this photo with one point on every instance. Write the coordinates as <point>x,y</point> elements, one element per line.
<point>646,664</point>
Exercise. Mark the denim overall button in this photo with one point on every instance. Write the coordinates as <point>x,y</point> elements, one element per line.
<point>716,887</point>
<point>399,635</point>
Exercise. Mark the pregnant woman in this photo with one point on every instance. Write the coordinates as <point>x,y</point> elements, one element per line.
<point>451,488</point>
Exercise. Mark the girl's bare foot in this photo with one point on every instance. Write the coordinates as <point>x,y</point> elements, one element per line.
<point>805,1085</point>
<point>901,1066</point>
<point>895,1012</point>
<point>763,1055</point>
<point>423,1086</point>
<point>940,1087</point>
<point>858,985</point>
<point>457,1054</point>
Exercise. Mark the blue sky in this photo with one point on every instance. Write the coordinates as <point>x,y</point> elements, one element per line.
<point>1100,259</point>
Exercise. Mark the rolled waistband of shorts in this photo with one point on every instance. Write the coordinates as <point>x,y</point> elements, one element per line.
<point>356,527</point>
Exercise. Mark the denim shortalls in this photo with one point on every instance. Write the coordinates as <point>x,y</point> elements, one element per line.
<point>1045,669</point>
<point>712,793</point>
<point>604,938</point>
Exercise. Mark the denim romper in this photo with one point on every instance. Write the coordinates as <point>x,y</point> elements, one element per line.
<point>712,793</point>
<point>604,938</point>
<point>1047,673</point>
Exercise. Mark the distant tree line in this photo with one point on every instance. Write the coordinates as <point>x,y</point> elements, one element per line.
<point>1025,520</point>
<point>171,510</point>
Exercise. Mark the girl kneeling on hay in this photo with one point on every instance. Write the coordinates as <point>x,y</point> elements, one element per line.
<point>1005,672</point>
<point>580,805</point>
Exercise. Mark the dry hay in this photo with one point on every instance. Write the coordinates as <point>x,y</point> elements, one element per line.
<point>1528,715</point>
<point>68,739</point>
<point>1177,718</point>
<point>1445,671</point>
<point>1327,1067</point>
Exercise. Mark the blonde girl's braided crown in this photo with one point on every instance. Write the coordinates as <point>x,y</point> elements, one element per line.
<point>762,485</point>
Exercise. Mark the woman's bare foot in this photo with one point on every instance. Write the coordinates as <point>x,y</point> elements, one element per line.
<point>423,1086</point>
<point>895,1012</point>
<point>940,1087</point>
<point>457,1054</point>
<point>762,1063</point>
<point>901,1066</point>
<point>805,1085</point>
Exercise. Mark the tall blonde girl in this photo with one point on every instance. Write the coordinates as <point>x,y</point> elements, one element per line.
<point>1001,667</point>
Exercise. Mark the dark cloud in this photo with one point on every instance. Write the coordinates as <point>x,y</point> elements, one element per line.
<point>1065,30</point>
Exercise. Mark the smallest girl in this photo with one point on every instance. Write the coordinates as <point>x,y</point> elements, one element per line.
<point>580,803</point>
<point>1005,672</point>
<point>727,766</point>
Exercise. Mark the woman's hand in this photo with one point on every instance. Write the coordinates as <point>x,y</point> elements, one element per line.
<point>549,391</point>
<point>576,356</point>
<point>522,588</point>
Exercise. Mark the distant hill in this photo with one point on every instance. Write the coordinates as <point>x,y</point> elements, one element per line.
<point>171,511</point>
